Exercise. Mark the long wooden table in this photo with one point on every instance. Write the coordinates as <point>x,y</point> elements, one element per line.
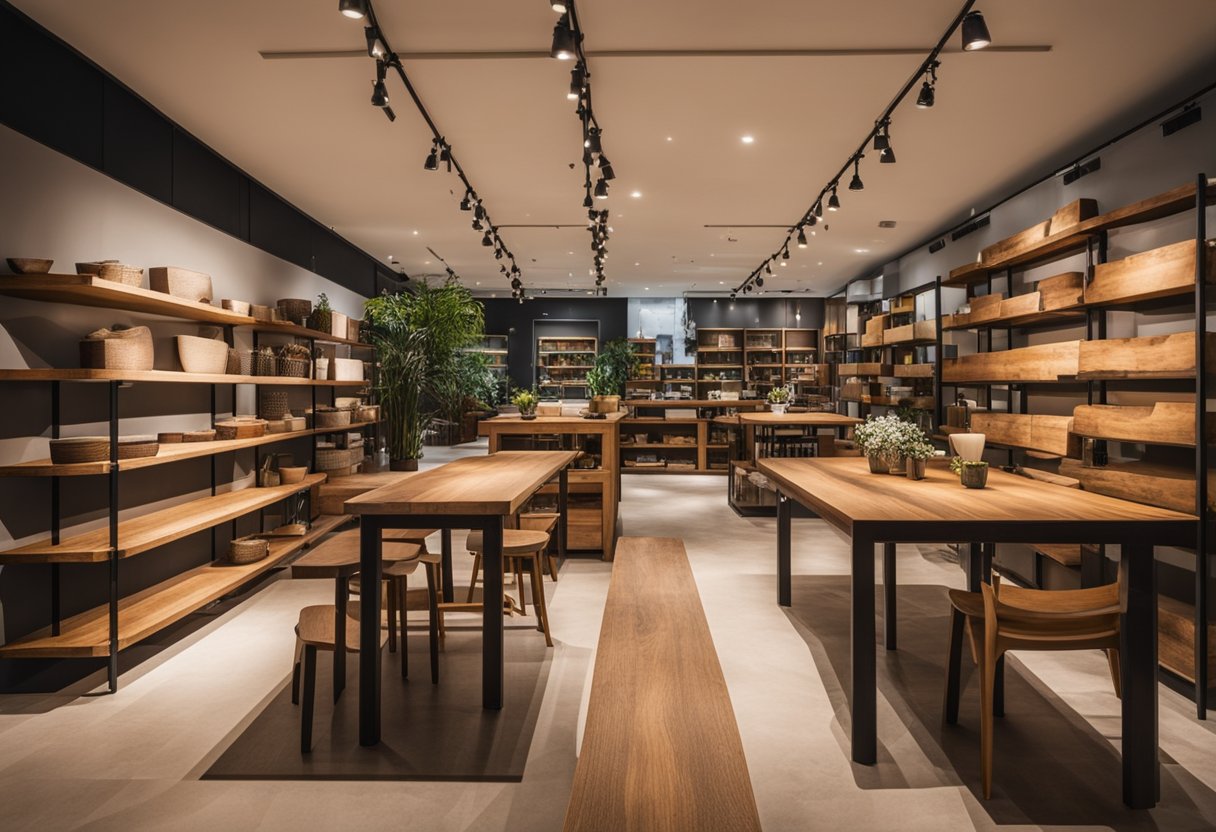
<point>471,493</point>
<point>768,421</point>
<point>880,508</point>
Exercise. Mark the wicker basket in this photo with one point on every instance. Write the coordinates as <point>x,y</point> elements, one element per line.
<point>29,265</point>
<point>122,349</point>
<point>248,550</point>
<point>80,449</point>
<point>113,270</point>
<point>181,283</point>
<point>170,438</point>
<point>241,427</point>
<point>368,413</point>
<point>262,364</point>
<point>330,459</point>
<point>295,310</point>
<point>294,367</point>
<point>272,404</point>
<point>198,436</point>
<point>234,362</point>
<point>265,314</point>
<point>202,355</point>
<point>137,447</point>
<point>331,418</point>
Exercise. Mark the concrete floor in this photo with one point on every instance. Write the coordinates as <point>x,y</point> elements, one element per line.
<point>133,760</point>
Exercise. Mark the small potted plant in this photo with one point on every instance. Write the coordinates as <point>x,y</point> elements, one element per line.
<point>322,316</point>
<point>916,455</point>
<point>526,401</point>
<point>876,438</point>
<point>779,399</point>
<point>972,473</point>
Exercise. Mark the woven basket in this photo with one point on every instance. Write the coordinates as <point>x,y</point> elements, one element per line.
<point>272,404</point>
<point>242,427</point>
<point>170,438</point>
<point>263,313</point>
<point>331,418</point>
<point>248,550</point>
<point>198,436</point>
<point>137,447</point>
<point>262,364</point>
<point>202,355</point>
<point>80,449</point>
<point>368,413</point>
<point>123,349</point>
<point>294,367</point>
<point>329,459</point>
<point>181,283</point>
<point>233,367</point>
<point>295,310</point>
<point>113,270</point>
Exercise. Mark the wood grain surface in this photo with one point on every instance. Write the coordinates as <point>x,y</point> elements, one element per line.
<point>1032,431</point>
<point>1148,356</point>
<point>497,484</point>
<point>1163,423</point>
<point>661,749</point>
<point>798,419</point>
<point>1161,272</point>
<point>1043,362</point>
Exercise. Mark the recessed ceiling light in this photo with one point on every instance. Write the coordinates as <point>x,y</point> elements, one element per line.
<point>426,262</point>
<point>637,264</point>
<point>415,232</point>
<point>721,282</point>
<point>647,288</point>
<point>478,283</point>
<point>669,138</point>
<point>862,250</point>
<point>636,194</point>
<point>390,257</point>
<point>747,139</point>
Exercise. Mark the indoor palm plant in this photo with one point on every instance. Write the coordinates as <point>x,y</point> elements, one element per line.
<point>606,380</point>
<point>418,336</point>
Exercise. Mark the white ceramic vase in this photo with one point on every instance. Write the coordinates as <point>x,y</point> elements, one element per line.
<point>968,446</point>
<point>777,408</point>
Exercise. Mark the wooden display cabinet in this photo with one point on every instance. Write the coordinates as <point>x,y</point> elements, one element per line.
<point>562,363</point>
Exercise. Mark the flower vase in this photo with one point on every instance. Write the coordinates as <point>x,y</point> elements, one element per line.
<point>878,463</point>
<point>974,476</point>
<point>915,468</point>
<point>967,446</point>
<point>778,408</point>
<point>895,464</point>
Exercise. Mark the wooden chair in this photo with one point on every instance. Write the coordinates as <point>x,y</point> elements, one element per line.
<point>315,631</point>
<point>543,521</point>
<point>522,550</point>
<point>1004,618</point>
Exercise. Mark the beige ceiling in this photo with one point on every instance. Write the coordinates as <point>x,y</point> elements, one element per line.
<point>305,127</point>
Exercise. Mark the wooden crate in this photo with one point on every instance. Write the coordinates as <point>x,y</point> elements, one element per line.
<point>1061,291</point>
<point>1018,244</point>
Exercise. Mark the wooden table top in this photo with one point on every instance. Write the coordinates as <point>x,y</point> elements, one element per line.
<point>692,403</point>
<point>814,418</point>
<point>844,492</point>
<point>498,484</point>
<point>552,421</point>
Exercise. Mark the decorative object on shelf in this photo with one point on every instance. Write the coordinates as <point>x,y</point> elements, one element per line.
<point>294,361</point>
<point>248,550</point>
<point>368,413</point>
<point>238,307</point>
<point>240,427</point>
<point>272,404</point>
<point>263,362</point>
<point>170,437</point>
<point>971,473</point>
<point>77,449</point>
<point>967,446</point>
<point>320,365</point>
<point>117,348</point>
<point>330,417</point>
<point>526,401</point>
<point>265,314</point>
<point>113,270</point>
<point>321,316</point>
<point>137,447</point>
<point>29,265</point>
<point>268,476</point>
<point>916,455</point>
<point>295,310</point>
<point>202,355</point>
<point>347,369</point>
<point>181,283</point>
<point>291,474</point>
<point>779,399</point>
<point>198,436</point>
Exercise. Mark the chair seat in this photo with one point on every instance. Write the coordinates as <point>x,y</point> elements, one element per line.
<point>970,604</point>
<point>540,521</point>
<point>411,535</point>
<point>514,541</point>
<point>316,627</point>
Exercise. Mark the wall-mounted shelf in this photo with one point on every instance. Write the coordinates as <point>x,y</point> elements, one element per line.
<point>167,376</point>
<point>1163,423</point>
<point>1040,363</point>
<point>90,290</point>
<point>1145,357</point>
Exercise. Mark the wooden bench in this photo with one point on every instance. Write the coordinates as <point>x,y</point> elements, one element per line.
<point>661,750</point>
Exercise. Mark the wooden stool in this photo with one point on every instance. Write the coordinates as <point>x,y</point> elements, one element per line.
<point>520,548</point>
<point>317,630</point>
<point>543,521</point>
<point>1000,619</point>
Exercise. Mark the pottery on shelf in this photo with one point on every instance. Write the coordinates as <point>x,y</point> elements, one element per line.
<point>779,409</point>
<point>29,265</point>
<point>967,446</point>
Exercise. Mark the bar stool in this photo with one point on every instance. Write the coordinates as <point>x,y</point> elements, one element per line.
<point>1004,618</point>
<point>520,548</point>
<point>317,630</point>
<point>543,521</point>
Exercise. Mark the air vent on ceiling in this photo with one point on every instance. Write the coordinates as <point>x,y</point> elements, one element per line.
<point>886,223</point>
<point>936,246</point>
<point>968,228</point>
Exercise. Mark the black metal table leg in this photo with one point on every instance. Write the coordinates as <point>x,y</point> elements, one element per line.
<point>888,595</point>
<point>341,596</point>
<point>492,668</point>
<point>445,537</point>
<point>1138,666</point>
<point>975,566</point>
<point>865,693</point>
<point>369,630</point>
<point>784,558</point>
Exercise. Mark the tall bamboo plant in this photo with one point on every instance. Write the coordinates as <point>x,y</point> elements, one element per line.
<point>419,336</point>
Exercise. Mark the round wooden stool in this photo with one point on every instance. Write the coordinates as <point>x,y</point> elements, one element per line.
<point>521,549</point>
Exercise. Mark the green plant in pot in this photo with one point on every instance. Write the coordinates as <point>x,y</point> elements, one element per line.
<point>526,401</point>
<point>614,365</point>
<point>779,398</point>
<point>322,316</point>
<point>419,336</point>
<point>972,473</point>
<point>916,455</point>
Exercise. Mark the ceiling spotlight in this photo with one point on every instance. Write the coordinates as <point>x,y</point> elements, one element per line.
<point>577,80</point>
<point>445,155</point>
<point>759,281</point>
<point>374,49</point>
<point>432,159</point>
<point>592,142</point>
<point>601,189</point>
<point>785,252</point>
<point>479,211</point>
<point>925,100</point>
<point>476,224</point>
<point>801,238</point>
<point>558,6</point>
<point>975,32</point>
<point>812,220</point>
<point>818,208</point>
<point>887,157</point>
<point>564,45</point>
<point>833,201</point>
<point>354,9</point>
<point>388,112</point>
<point>466,204</point>
<point>587,203</point>
<point>881,140</point>
<point>747,139</point>
<point>606,170</point>
<point>487,240</point>
<point>856,184</point>
<point>516,284</point>
<point>379,93</point>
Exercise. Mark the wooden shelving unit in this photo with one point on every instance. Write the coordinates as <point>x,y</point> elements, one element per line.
<point>562,363</point>
<point>645,379</point>
<point>719,358</point>
<point>678,379</point>
<point>697,444</point>
<point>167,376</point>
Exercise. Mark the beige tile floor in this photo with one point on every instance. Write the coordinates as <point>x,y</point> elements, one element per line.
<point>133,760</point>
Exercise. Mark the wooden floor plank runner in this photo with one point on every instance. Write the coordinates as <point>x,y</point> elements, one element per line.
<point>661,749</point>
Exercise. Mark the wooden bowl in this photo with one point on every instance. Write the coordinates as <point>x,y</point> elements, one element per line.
<point>240,307</point>
<point>29,265</point>
<point>292,474</point>
<point>170,437</point>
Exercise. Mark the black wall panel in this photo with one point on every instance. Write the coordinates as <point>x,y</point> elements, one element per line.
<point>758,312</point>
<point>138,143</point>
<point>47,92</point>
<point>336,260</point>
<point>515,320</point>
<point>205,186</point>
<point>279,228</point>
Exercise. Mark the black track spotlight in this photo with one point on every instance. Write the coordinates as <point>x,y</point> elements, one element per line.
<point>379,94</point>
<point>578,79</point>
<point>927,97</point>
<point>855,184</point>
<point>881,140</point>
<point>516,284</point>
<point>477,224</point>
<point>466,204</point>
<point>601,189</point>
<point>768,269</point>
<point>887,157</point>
<point>587,202</point>
<point>759,280</point>
<point>801,238</point>
<point>975,32</point>
<point>445,155</point>
<point>432,159</point>
<point>487,240</point>
<point>564,47</point>
<point>592,142</point>
<point>479,211</point>
<point>354,9</point>
<point>785,252</point>
<point>818,208</point>
<point>374,48</point>
<point>833,201</point>
<point>389,114</point>
<point>812,220</point>
<point>606,168</point>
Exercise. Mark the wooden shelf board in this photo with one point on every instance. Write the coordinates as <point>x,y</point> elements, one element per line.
<point>285,328</point>
<point>89,290</point>
<point>50,374</point>
<point>139,534</point>
<point>151,610</point>
<point>644,445</point>
<point>175,452</point>
<point>1035,319</point>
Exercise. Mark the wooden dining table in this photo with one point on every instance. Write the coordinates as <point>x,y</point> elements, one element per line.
<point>881,508</point>
<point>766,422</point>
<point>471,493</point>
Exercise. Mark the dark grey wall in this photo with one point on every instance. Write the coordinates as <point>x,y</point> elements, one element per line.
<point>758,312</point>
<point>517,321</point>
